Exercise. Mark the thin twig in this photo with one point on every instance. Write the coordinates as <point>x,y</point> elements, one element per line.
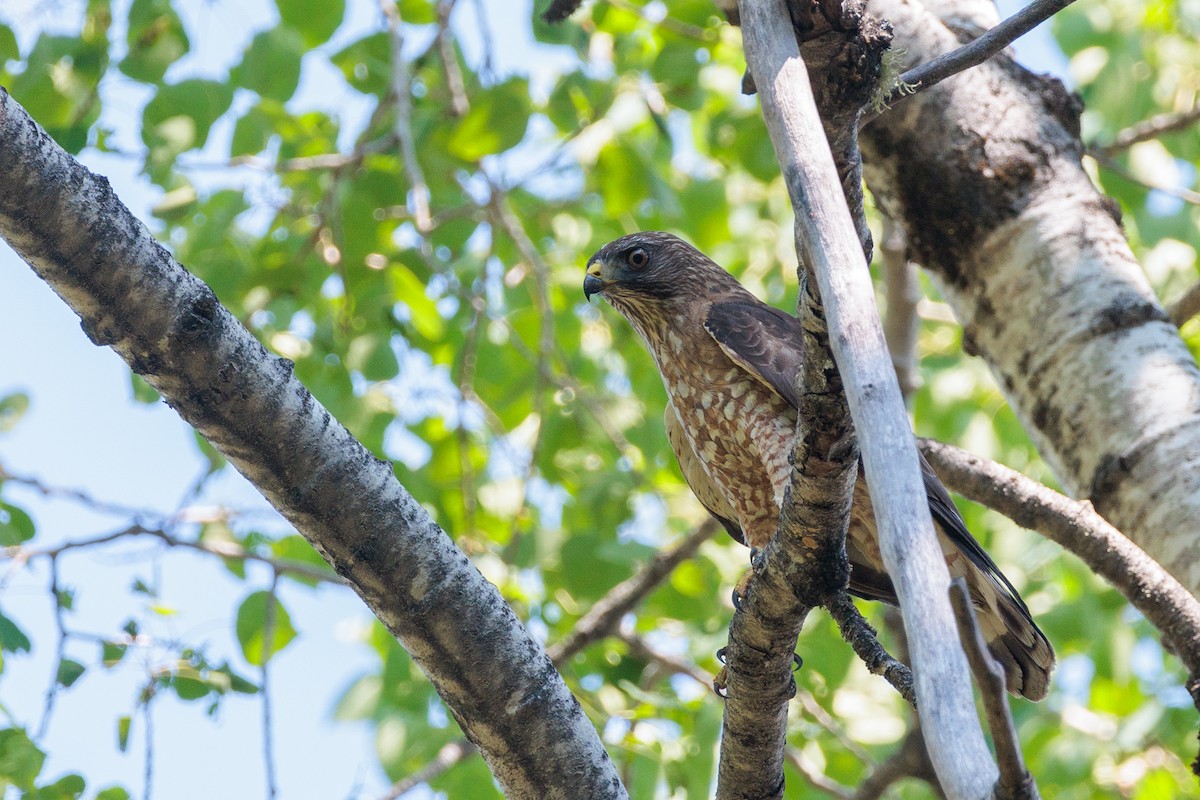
<point>79,496</point>
<point>641,648</point>
<point>604,616</point>
<point>228,550</point>
<point>402,94</point>
<point>505,218</point>
<point>827,721</point>
<point>815,777</point>
<point>1186,307</point>
<point>862,637</point>
<point>459,104</point>
<point>901,324</point>
<point>268,650</point>
<point>908,761</point>
<point>450,754</point>
<point>1186,195</point>
<point>60,651</point>
<point>148,718</point>
<point>972,54</point>
<point>1148,129</point>
<point>1015,781</point>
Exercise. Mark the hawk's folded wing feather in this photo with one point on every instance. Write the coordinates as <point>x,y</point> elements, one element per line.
<point>767,343</point>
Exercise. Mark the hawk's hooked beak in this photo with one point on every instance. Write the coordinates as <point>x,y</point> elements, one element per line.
<point>592,282</point>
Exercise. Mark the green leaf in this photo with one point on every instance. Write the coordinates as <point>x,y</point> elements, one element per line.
<point>251,133</point>
<point>9,51</point>
<point>622,178</point>
<point>16,526</point>
<point>155,38</point>
<point>295,548</point>
<point>251,627</point>
<point>69,671</point>
<point>372,355</point>
<point>68,787</point>
<point>58,85</point>
<point>20,759</point>
<point>315,20</point>
<point>497,121</point>
<point>12,638</point>
<point>417,12</point>
<point>179,118</point>
<point>12,408</point>
<point>271,64</point>
<point>111,653</point>
<point>113,793</point>
<point>367,64</point>
<point>124,723</point>
<point>188,687</point>
<point>143,392</point>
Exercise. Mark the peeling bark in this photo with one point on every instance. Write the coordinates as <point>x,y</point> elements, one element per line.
<point>984,173</point>
<point>131,295</point>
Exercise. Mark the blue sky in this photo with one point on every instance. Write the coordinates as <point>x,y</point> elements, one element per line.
<point>83,432</point>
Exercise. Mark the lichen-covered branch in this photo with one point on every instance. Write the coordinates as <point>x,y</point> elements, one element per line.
<point>131,295</point>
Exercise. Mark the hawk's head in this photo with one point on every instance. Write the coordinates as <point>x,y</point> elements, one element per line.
<point>651,268</point>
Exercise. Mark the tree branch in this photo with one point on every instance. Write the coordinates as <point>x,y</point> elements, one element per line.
<point>902,322</point>
<point>1015,781</point>
<point>418,190</point>
<point>604,616</point>
<point>1148,129</point>
<point>862,637</point>
<point>131,295</point>
<point>974,53</point>
<point>1078,528</point>
<point>1186,307</point>
<point>831,248</point>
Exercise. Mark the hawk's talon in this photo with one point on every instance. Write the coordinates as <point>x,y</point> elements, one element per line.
<point>721,654</point>
<point>737,600</point>
<point>720,683</point>
<point>797,662</point>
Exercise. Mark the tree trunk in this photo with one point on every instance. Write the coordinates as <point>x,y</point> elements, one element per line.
<point>984,172</point>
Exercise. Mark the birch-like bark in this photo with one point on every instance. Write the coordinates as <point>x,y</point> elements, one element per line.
<point>831,248</point>
<point>984,172</point>
<point>131,295</point>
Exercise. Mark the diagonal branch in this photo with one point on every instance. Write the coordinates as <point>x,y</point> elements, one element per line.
<point>168,326</point>
<point>1077,527</point>
<point>974,53</point>
<point>1148,129</point>
<point>1015,781</point>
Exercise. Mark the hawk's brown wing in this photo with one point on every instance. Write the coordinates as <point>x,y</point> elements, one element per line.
<point>766,342</point>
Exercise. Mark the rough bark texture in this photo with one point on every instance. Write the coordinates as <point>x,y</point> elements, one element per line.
<point>832,250</point>
<point>984,173</point>
<point>131,295</point>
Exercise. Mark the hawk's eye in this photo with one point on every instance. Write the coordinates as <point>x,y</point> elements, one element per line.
<point>637,258</point>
